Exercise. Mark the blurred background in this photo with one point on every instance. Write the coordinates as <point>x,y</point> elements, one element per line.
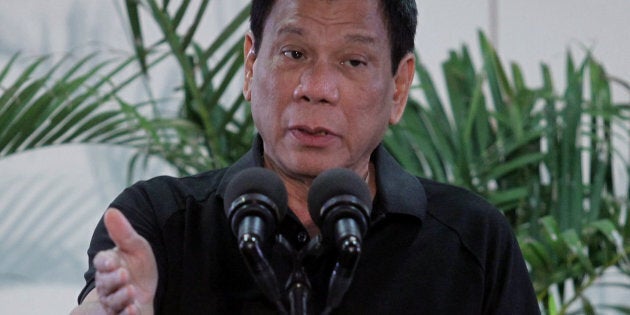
<point>52,197</point>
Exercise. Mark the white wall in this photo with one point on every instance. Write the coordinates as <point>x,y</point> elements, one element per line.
<point>69,187</point>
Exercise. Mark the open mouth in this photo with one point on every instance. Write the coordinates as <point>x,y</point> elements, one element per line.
<point>314,132</point>
<point>313,137</point>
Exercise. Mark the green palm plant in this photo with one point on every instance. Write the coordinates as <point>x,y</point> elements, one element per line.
<point>84,104</point>
<point>44,103</point>
<point>43,107</point>
<point>545,160</point>
<point>212,128</point>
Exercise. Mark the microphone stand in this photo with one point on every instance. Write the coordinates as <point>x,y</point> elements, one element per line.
<point>261,270</point>
<point>342,274</point>
<point>298,286</point>
<point>299,292</point>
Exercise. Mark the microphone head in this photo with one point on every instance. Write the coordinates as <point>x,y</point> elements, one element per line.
<point>339,193</point>
<point>255,191</point>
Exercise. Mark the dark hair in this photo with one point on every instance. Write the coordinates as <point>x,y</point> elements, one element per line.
<point>400,17</point>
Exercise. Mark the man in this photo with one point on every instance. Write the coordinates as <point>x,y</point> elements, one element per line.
<point>325,78</point>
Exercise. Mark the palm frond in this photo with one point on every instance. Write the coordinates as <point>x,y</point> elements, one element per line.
<point>59,107</point>
<point>545,158</point>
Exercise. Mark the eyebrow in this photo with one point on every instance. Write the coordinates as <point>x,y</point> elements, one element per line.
<point>361,39</point>
<point>290,30</point>
<point>351,38</point>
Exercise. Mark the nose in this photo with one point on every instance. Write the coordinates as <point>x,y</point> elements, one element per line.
<point>318,84</point>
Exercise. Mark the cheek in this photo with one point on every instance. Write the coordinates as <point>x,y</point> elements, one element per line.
<point>374,104</point>
<point>266,108</point>
<point>269,84</point>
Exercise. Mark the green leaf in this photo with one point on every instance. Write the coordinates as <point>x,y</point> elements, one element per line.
<point>136,32</point>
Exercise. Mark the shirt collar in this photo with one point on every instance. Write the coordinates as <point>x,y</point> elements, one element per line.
<point>254,157</point>
<point>397,191</point>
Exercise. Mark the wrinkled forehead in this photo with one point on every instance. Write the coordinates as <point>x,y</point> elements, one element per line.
<point>294,15</point>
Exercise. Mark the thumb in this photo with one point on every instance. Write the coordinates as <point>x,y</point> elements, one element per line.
<point>122,233</point>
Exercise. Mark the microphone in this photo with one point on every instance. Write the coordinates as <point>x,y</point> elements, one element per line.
<point>339,202</point>
<point>255,201</point>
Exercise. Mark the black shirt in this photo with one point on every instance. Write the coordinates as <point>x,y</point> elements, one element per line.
<point>431,248</point>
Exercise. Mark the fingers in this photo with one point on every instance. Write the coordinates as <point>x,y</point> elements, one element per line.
<point>131,310</point>
<point>115,292</point>
<point>108,282</point>
<point>121,231</point>
<point>112,283</point>
<point>107,260</point>
<point>119,300</point>
<point>111,279</point>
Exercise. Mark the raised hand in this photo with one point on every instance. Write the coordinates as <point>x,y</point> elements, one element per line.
<point>126,276</point>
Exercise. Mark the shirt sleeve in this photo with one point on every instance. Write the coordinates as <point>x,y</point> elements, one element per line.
<point>509,288</point>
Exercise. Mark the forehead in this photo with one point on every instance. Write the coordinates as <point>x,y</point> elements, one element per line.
<point>326,15</point>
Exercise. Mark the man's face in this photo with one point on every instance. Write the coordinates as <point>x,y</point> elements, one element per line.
<point>321,88</point>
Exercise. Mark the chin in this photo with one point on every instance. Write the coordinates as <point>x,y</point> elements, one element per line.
<point>309,163</point>
<point>314,169</point>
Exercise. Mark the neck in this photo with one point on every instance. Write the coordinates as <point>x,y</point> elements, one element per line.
<point>297,191</point>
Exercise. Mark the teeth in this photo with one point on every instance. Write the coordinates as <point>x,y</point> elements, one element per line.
<point>315,133</point>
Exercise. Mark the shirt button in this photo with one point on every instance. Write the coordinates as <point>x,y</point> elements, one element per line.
<point>302,237</point>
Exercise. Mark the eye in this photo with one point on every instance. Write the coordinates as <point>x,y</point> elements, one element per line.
<point>293,54</point>
<point>354,63</point>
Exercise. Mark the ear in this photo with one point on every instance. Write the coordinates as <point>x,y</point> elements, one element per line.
<point>250,57</point>
<point>402,84</point>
